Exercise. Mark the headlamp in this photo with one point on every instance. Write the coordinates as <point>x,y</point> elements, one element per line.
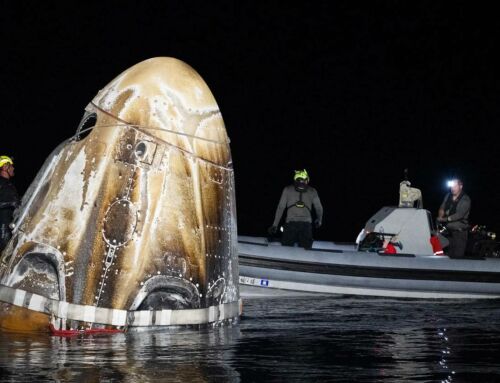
<point>451,183</point>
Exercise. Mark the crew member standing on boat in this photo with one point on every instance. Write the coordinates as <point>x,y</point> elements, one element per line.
<point>298,201</point>
<point>454,214</point>
<point>9,199</point>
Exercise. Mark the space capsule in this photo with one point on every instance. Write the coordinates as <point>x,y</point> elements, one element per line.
<point>132,221</point>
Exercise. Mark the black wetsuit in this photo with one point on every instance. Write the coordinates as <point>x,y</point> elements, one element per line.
<point>9,200</point>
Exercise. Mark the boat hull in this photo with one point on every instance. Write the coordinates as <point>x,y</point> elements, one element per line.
<point>340,269</point>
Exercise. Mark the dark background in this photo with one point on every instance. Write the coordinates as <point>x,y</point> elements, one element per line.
<point>355,92</point>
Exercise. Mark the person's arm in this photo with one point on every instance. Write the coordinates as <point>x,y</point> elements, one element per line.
<point>281,208</point>
<point>9,196</point>
<point>463,208</point>
<point>441,209</point>
<point>318,208</point>
<point>441,213</point>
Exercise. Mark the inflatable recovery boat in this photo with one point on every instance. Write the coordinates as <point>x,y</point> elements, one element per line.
<point>416,269</point>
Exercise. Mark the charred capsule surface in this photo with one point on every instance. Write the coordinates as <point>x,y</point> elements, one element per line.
<point>135,214</point>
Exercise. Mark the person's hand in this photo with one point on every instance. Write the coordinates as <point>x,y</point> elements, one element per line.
<point>317,223</point>
<point>441,219</point>
<point>272,230</point>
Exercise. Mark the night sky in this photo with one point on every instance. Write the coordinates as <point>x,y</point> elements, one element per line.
<point>355,92</point>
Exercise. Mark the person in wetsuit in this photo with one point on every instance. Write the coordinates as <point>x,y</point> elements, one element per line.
<point>297,201</point>
<point>9,199</point>
<point>454,214</point>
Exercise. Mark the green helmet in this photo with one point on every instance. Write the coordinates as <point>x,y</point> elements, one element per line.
<point>4,160</point>
<point>301,174</point>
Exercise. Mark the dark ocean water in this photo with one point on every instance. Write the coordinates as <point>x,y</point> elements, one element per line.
<point>287,339</point>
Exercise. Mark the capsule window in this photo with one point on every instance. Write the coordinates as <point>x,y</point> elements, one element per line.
<point>144,151</point>
<point>140,150</point>
<point>86,125</point>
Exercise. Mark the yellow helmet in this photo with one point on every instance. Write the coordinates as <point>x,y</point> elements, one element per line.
<point>301,174</point>
<point>4,160</point>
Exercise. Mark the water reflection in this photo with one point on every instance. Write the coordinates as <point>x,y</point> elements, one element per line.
<point>179,355</point>
<point>286,340</point>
